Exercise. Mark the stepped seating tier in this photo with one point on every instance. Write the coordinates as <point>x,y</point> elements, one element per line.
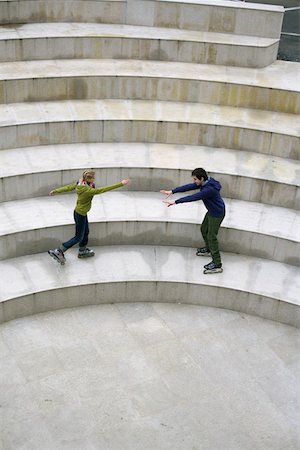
<point>90,40</point>
<point>144,273</point>
<point>118,218</point>
<point>244,175</point>
<point>27,124</point>
<point>272,88</point>
<point>205,99</point>
<point>222,16</point>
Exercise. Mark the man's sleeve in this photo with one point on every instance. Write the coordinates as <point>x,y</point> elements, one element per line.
<point>185,187</point>
<point>201,195</point>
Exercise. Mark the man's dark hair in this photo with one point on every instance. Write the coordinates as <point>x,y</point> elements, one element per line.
<point>200,173</point>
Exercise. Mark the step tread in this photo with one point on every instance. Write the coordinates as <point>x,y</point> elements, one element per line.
<point>45,212</point>
<point>48,158</point>
<point>79,30</point>
<point>223,3</point>
<point>229,4</point>
<point>37,273</point>
<point>281,75</point>
<point>148,110</point>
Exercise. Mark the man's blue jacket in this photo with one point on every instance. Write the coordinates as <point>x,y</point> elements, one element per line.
<point>210,194</point>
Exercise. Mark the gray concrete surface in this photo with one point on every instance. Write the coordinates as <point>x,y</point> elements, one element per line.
<point>245,175</point>
<point>131,273</point>
<point>148,376</point>
<point>141,218</point>
<point>90,40</point>
<point>221,16</point>
<point>44,123</point>
<point>274,88</point>
<point>290,38</point>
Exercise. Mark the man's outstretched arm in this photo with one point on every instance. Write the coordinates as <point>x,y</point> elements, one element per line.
<point>184,188</point>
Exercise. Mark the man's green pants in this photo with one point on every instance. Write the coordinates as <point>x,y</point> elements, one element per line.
<point>209,229</point>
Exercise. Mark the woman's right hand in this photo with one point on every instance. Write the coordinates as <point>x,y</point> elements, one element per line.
<point>51,193</point>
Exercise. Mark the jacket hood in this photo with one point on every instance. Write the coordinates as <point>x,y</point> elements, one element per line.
<point>212,183</point>
<point>82,185</point>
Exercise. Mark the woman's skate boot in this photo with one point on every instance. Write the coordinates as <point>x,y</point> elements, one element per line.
<point>58,255</point>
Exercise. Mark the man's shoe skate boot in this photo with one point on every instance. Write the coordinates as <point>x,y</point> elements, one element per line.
<point>212,268</point>
<point>85,253</point>
<point>58,255</point>
<point>203,251</point>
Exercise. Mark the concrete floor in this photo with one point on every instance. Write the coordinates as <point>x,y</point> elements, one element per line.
<point>148,376</point>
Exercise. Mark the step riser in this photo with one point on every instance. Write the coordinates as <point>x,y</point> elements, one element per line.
<point>140,88</point>
<point>152,233</point>
<point>207,17</point>
<point>25,11</point>
<point>145,179</point>
<point>135,48</point>
<point>155,291</point>
<point>234,19</point>
<point>149,131</point>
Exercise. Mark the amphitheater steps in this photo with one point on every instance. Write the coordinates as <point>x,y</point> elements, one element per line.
<point>145,273</point>
<point>27,124</point>
<point>123,217</point>
<point>242,129</point>
<point>33,171</point>
<point>272,88</point>
<point>89,40</point>
<point>222,16</point>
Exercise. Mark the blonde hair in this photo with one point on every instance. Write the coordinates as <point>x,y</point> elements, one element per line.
<point>88,174</point>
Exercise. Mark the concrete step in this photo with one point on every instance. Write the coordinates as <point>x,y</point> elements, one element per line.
<point>271,88</point>
<point>222,16</point>
<point>145,273</point>
<point>33,171</point>
<point>136,218</point>
<point>28,124</point>
<point>90,40</point>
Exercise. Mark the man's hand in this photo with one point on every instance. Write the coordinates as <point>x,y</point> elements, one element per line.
<point>126,182</point>
<point>169,202</point>
<point>167,193</point>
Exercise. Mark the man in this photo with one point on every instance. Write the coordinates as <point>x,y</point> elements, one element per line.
<point>209,193</point>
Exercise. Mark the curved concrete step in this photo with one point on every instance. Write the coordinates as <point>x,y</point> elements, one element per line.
<point>135,218</point>
<point>145,273</point>
<point>33,171</point>
<point>224,16</point>
<point>27,124</point>
<point>271,88</point>
<point>90,40</point>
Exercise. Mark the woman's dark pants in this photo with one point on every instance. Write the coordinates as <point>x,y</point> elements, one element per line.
<point>81,232</point>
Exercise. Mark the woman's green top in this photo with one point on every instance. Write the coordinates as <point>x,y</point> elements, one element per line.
<point>85,194</point>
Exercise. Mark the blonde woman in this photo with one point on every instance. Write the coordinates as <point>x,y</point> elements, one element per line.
<point>85,190</point>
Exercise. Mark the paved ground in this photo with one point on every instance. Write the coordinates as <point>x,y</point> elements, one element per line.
<point>148,376</point>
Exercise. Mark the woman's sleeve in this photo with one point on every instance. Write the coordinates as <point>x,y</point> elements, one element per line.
<point>103,189</point>
<point>66,188</point>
